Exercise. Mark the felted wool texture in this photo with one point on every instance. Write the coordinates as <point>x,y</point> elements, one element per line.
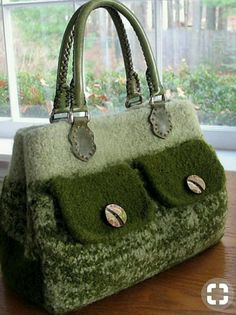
<point>118,137</point>
<point>82,201</point>
<point>17,164</point>
<point>13,210</point>
<point>76,275</point>
<point>166,172</point>
<point>20,273</point>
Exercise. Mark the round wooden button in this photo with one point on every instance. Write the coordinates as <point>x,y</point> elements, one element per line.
<point>196,184</point>
<point>115,215</point>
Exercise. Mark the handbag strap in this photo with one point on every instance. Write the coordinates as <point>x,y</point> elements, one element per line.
<point>80,135</point>
<point>64,92</point>
<point>79,103</point>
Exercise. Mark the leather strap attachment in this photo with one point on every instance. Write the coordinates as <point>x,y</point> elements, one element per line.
<point>80,136</point>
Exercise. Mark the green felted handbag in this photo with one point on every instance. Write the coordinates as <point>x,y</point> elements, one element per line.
<point>94,205</point>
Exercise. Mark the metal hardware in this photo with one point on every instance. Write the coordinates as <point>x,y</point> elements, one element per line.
<point>135,100</point>
<point>157,98</point>
<point>72,115</point>
<point>56,117</point>
<point>68,116</point>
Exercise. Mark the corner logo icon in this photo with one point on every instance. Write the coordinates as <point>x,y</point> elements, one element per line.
<point>225,297</point>
<point>217,294</point>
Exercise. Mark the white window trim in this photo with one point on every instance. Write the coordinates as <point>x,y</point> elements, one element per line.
<point>221,137</point>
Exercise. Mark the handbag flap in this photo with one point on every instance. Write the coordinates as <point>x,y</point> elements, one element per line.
<point>166,173</point>
<point>82,202</point>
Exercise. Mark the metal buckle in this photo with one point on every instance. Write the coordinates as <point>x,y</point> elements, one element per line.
<point>157,98</point>
<point>135,100</point>
<point>55,117</point>
<point>72,115</point>
<point>68,116</point>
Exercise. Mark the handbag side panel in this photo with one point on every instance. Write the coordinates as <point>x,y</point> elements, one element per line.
<point>21,271</point>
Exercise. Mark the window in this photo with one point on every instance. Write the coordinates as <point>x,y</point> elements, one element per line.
<point>194,42</point>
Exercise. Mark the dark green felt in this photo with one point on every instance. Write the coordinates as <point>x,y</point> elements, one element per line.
<point>21,274</point>
<point>166,172</point>
<point>82,201</point>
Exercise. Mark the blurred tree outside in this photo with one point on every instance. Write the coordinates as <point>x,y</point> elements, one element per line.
<point>199,57</point>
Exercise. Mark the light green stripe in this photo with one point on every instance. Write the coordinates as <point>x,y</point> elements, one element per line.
<point>118,138</point>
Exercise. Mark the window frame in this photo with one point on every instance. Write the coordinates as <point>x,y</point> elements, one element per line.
<point>221,137</point>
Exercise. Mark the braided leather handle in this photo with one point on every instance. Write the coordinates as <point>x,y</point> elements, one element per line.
<point>79,104</point>
<point>80,135</point>
<point>132,84</point>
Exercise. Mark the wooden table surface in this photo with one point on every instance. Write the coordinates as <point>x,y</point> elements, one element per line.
<point>173,292</point>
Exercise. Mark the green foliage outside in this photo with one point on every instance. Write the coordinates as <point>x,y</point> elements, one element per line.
<point>41,24</point>
<point>228,5</point>
<point>4,97</point>
<point>214,94</point>
<point>39,35</point>
<point>221,3</point>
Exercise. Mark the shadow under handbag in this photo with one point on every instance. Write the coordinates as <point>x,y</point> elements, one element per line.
<point>92,207</point>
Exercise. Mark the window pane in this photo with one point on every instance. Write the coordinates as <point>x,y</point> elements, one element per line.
<point>9,1</point>
<point>199,56</point>
<point>104,71</point>
<point>4,96</point>
<point>144,10</point>
<point>37,34</point>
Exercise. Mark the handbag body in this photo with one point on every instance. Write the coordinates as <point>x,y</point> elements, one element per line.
<point>59,248</point>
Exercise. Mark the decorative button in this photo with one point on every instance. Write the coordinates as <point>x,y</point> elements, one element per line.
<point>196,184</point>
<point>116,216</point>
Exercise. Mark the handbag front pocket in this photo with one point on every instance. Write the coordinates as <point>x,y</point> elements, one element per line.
<point>166,173</point>
<point>82,202</point>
